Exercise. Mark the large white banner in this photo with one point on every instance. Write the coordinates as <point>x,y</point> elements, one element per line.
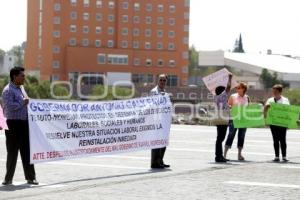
<point>219,78</point>
<point>65,129</point>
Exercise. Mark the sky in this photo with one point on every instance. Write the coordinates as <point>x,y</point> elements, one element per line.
<point>214,24</point>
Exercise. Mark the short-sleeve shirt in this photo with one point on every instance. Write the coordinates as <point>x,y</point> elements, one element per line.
<point>282,100</point>
<point>222,101</point>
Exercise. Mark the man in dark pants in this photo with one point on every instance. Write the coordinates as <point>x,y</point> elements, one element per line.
<point>15,101</point>
<point>222,95</point>
<point>157,155</point>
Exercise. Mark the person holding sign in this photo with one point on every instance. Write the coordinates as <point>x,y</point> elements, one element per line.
<point>278,132</point>
<point>15,101</point>
<point>157,155</point>
<point>239,98</point>
<point>222,95</point>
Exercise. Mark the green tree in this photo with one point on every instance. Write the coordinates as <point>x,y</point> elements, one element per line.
<point>268,79</point>
<point>293,95</point>
<point>18,52</point>
<point>238,46</point>
<point>2,54</point>
<point>193,60</point>
<point>121,92</point>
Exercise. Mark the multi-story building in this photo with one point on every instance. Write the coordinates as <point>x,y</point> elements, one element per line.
<point>122,39</point>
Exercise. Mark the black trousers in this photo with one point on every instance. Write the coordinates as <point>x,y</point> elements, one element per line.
<point>279,139</point>
<point>17,138</point>
<point>221,134</point>
<point>157,156</point>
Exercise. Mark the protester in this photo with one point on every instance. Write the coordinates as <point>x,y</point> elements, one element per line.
<point>15,101</point>
<point>157,155</point>
<point>239,98</point>
<point>222,95</point>
<point>278,133</point>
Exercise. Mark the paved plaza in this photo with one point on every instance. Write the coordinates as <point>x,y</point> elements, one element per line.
<point>193,173</point>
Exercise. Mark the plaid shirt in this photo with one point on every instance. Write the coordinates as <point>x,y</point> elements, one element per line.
<point>13,103</point>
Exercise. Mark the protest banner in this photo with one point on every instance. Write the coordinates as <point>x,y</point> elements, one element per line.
<point>65,129</point>
<point>248,116</point>
<point>3,124</point>
<point>283,115</point>
<point>219,78</point>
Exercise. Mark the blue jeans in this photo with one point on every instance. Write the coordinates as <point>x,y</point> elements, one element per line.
<point>231,135</point>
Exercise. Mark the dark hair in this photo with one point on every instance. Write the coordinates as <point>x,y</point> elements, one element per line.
<point>15,72</point>
<point>219,90</point>
<point>278,87</point>
<point>244,86</point>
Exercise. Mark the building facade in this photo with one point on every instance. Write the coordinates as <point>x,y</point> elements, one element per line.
<point>125,40</point>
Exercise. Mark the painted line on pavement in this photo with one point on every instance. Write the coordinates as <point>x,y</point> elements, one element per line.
<point>290,167</point>
<point>262,184</point>
<point>44,185</point>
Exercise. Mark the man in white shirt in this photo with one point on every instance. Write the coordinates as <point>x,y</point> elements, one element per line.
<point>278,133</point>
<point>157,155</point>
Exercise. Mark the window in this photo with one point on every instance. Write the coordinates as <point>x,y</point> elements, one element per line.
<point>148,62</point>
<point>40,30</point>
<point>172,63</point>
<point>111,18</point>
<point>148,7</point>
<point>117,59</point>
<point>186,28</point>
<point>142,78</point>
<point>98,43</point>
<point>85,42</point>
<point>160,20</point>
<point>172,80</point>
<point>171,46</point>
<point>160,8</point>
<point>101,58</point>
<point>99,3</point>
<point>111,4</point>
<point>136,19</point>
<point>57,7</point>
<point>56,20</point>
<point>40,17</point>
<point>172,8</point>
<point>136,62</point>
<point>110,43</point>
<point>137,6</point>
<point>159,33</point>
<point>73,15</point>
<point>110,30</point>
<point>73,2</point>
<point>172,21</point>
<point>187,3</point>
<point>73,28</point>
<point>136,44</point>
<point>55,64</point>
<point>124,44</point>
<point>159,45</point>
<point>54,77</point>
<point>171,34</point>
<point>147,45</point>
<point>148,32</point>
<point>136,32</point>
<point>72,42</point>
<point>186,15</point>
<point>86,3</point>
<point>125,18</point>
<point>56,34</point>
<point>85,29</point>
<point>86,16</point>
<point>98,29</point>
<point>185,40</point>
<point>98,16</point>
<point>56,49</point>
<point>185,55</point>
<point>125,5</point>
<point>185,69</point>
<point>148,20</point>
<point>124,31</point>
<point>160,63</point>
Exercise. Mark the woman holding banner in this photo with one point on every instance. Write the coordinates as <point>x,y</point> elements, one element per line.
<point>278,133</point>
<point>222,95</point>
<point>239,98</point>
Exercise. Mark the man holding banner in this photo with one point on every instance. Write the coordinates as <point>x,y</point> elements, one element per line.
<point>15,101</point>
<point>157,155</point>
<point>278,132</point>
